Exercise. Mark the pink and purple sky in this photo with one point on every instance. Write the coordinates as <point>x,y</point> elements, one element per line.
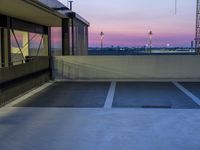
<point>127,22</point>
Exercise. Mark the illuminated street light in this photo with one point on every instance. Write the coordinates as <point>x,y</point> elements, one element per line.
<point>102,38</point>
<point>150,39</point>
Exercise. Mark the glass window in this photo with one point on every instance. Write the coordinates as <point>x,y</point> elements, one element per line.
<point>19,46</point>
<point>38,44</point>
<point>56,41</point>
<point>26,44</point>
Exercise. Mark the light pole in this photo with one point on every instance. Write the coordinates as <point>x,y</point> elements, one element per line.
<point>102,38</point>
<point>150,39</point>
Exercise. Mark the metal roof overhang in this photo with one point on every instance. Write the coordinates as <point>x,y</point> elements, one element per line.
<point>32,11</point>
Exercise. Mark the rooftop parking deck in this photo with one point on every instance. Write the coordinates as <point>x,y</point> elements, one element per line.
<point>126,94</point>
<point>104,115</point>
<point>94,103</point>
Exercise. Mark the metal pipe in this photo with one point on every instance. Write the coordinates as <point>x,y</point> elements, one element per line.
<point>70,4</point>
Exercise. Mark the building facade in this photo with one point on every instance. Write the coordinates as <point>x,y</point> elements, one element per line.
<point>25,42</point>
<point>24,35</point>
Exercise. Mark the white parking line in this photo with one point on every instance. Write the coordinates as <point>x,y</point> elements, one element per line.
<point>187,92</point>
<point>110,96</point>
<point>29,94</point>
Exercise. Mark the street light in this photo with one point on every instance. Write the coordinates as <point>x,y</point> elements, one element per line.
<point>150,39</point>
<point>102,38</point>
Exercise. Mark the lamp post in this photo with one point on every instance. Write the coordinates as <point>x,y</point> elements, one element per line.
<point>102,38</point>
<point>150,39</point>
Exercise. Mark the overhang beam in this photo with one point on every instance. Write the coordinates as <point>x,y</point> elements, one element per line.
<point>32,11</point>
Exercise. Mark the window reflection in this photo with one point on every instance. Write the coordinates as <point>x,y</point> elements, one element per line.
<point>19,46</point>
<point>38,44</point>
<point>56,41</point>
<point>26,44</point>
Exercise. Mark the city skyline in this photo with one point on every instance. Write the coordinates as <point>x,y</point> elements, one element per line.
<point>127,23</point>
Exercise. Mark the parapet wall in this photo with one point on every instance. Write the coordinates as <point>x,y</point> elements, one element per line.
<point>158,67</point>
<point>16,80</point>
<point>14,72</point>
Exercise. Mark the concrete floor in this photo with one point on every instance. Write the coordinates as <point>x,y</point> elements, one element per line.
<point>194,87</point>
<point>41,128</point>
<point>151,94</point>
<point>70,94</point>
<point>126,94</point>
<point>99,129</point>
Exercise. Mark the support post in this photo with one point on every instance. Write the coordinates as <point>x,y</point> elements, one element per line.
<point>49,41</point>
<point>65,37</point>
<point>197,36</point>
<point>2,49</point>
<point>73,40</point>
<point>6,44</point>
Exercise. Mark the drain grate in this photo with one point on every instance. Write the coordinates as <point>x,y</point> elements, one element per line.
<point>156,107</point>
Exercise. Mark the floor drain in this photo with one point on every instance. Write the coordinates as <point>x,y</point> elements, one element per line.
<point>156,107</point>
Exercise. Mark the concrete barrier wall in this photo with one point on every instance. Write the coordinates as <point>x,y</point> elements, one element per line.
<point>159,67</point>
<point>16,80</point>
<point>14,72</point>
<point>16,89</point>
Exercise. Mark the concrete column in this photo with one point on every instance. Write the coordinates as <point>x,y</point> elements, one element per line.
<point>49,41</point>
<point>1,48</point>
<point>65,37</point>
<point>73,37</point>
<point>6,47</point>
<point>85,41</point>
<point>6,44</point>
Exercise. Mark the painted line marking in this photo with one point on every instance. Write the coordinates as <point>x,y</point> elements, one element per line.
<point>110,96</point>
<point>187,92</point>
<point>29,94</point>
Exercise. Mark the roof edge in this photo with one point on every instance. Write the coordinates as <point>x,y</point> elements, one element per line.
<point>77,16</point>
<point>43,7</point>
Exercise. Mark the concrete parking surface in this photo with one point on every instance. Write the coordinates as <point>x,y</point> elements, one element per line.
<point>84,123</point>
<point>69,94</point>
<point>151,95</point>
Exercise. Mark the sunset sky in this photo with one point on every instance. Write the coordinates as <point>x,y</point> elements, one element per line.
<point>127,22</point>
